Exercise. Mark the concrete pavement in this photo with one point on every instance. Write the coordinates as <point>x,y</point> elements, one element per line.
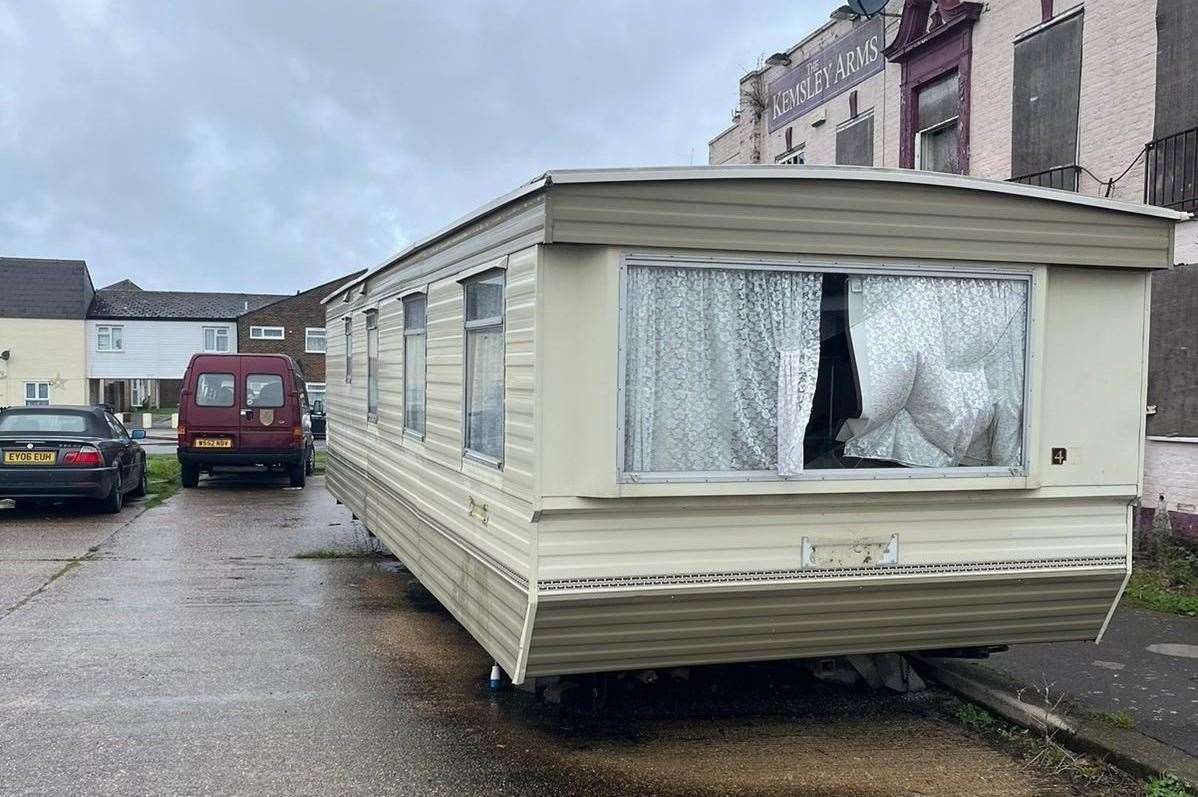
<point>193,653</point>
<point>1147,665</point>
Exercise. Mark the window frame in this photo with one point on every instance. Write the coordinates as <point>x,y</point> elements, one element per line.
<point>1020,476</point>
<point>324,338</point>
<point>37,400</point>
<point>108,329</point>
<point>215,330</point>
<point>262,330</point>
<point>954,121</point>
<point>489,323</point>
<point>349,349</point>
<point>372,376</point>
<point>422,332</point>
<point>795,156</point>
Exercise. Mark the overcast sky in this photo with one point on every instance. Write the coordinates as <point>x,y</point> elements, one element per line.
<point>269,146</point>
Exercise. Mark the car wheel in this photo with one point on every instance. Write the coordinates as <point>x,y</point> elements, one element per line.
<point>142,487</point>
<point>298,474</point>
<point>190,475</point>
<point>115,500</point>
<point>310,463</point>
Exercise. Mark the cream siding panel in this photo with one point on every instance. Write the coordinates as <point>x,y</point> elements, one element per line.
<point>391,340</point>
<point>847,218</point>
<point>443,423</point>
<point>519,457</point>
<point>722,535</point>
<point>689,626</point>
<point>1094,377</point>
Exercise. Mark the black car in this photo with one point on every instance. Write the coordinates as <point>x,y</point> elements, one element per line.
<point>69,452</point>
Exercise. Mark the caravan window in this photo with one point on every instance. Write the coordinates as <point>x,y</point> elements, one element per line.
<point>484,365</point>
<point>771,372</point>
<point>349,349</point>
<point>414,351</point>
<point>372,365</point>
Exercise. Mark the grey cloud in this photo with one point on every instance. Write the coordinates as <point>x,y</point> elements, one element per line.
<point>266,146</point>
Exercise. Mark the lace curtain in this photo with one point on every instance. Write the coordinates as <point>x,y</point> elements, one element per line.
<point>720,368</point>
<point>941,367</point>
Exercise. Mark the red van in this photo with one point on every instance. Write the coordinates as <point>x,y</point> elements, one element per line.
<point>244,409</point>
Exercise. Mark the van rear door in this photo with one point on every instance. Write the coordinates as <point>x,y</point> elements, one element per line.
<point>212,384</point>
<point>268,409</point>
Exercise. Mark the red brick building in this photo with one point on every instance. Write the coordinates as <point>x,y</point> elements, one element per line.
<point>294,325</point>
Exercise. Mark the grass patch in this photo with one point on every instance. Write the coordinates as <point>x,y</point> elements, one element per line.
<point>974,716</point>
<point>1166,580</point>
<point>322,460</point>
<point>162,478</point>
<point>1119,719</point>
<point>336,553</point>
<point>1166,786</point>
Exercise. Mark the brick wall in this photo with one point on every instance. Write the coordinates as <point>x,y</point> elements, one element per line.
<point>1117,96</point>
<point>295,314</point>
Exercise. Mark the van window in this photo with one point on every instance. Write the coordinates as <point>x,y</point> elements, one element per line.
<point>214,390</point>
<point>263,390</point>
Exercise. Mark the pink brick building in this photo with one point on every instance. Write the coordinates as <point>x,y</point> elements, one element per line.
<point>1094,96</point>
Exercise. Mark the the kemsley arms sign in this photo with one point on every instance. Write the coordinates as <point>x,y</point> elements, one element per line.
<point>833,70</point>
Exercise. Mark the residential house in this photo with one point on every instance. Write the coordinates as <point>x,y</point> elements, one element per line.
<point>294,325</point>
<point>139,342</point>
<point>43,353</point>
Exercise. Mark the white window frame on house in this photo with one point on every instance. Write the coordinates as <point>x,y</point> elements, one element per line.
<point>312,334</point>
<point>349,349</point>
<point>953,121</point>
<point>372,365</point>
<point>218,333</point>
<point>793,157</point>
<point>110,338</point>
<point>268,333</point>
<point>930,476</point>
<point>470,328</point>
<point>317,387</point>
<point>39,396</point>
<point>415,336</point>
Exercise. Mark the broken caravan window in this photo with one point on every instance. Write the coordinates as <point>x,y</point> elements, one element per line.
<point>767,372</point>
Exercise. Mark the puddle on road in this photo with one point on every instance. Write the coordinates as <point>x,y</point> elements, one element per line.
<point>744,729</point>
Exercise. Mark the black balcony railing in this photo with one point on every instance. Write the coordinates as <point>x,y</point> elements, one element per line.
<point>1063,177</point>
<point>1171,179</point>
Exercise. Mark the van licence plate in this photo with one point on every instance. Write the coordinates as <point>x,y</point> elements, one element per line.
<point>213,442</point>
<point>30,457</point>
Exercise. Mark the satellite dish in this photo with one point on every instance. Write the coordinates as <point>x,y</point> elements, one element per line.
<point>867,8</point>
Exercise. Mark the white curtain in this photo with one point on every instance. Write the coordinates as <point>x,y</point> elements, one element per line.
<point>940,363</point>
<point>720,368</point>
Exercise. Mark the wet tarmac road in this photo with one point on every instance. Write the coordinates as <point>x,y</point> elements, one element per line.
<point>191,653</point>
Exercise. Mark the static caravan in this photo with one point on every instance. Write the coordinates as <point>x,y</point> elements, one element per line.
<point>649,417</point>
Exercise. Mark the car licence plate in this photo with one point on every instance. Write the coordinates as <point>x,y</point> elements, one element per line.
<point>30,457</point>
<point>213,442</point>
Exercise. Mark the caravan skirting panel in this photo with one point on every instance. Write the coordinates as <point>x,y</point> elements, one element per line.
<point>591,632</point>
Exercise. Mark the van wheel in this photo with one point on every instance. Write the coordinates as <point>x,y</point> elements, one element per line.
<point>298,474</point>
<point>190,475</point>
<point>115,500</point>
<point>310,462</point>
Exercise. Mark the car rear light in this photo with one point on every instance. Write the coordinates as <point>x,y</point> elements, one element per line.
<point>84,456</point>
<point>182,432</point>
<point>297,435</point>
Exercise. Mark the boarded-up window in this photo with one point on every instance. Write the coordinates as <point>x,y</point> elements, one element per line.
<point>855,142</point>
<point>1176,65</point>
<point>1047,76</point>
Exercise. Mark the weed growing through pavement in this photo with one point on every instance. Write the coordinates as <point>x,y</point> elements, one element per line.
<point>1166,786</point>
<point>1119,719</point>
